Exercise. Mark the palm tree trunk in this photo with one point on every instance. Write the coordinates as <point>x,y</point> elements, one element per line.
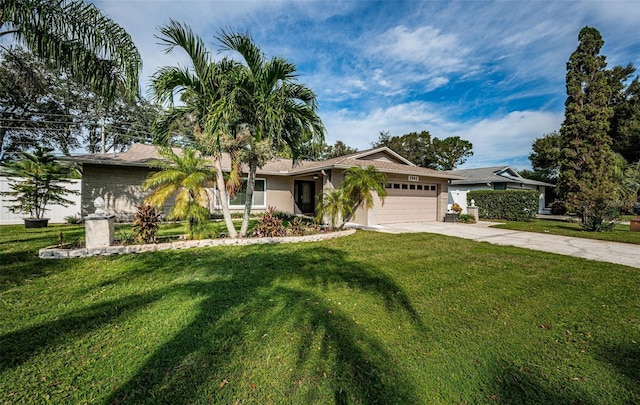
<point>224,201</point>
<point>251,183</point>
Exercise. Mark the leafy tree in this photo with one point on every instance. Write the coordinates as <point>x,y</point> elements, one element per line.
<point>421,149</point>
<point>413,146</point>
<point>186,177</point>
<point>450,152</point>
<point>625,121</point>
<point>200,88</point>
<point>266,109</point>
<point>37,180</point>
<point>31,111</point>
<point>585,172</point>
<point>336,150</point>
<point>76,38</point>
<point>43,107</point>
<point>545,155</point>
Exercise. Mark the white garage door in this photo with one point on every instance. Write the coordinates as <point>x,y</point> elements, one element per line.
<point>408,202</point>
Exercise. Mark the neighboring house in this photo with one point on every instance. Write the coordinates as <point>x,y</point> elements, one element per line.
<point>497,178</point>
<point>414,193</point>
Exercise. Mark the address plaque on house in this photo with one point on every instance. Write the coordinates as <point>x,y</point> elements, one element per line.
<point>414,178</point>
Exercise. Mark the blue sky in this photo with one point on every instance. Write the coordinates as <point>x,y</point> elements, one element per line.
<point>491,72</point>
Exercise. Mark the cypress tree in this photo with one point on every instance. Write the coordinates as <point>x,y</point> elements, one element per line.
<point>585,180</point>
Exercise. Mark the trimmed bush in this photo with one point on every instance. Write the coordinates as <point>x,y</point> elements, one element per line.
<point>510,205</point>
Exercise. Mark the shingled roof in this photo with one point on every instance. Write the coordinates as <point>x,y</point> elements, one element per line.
<point>140,155</point>
<point>494,174</point>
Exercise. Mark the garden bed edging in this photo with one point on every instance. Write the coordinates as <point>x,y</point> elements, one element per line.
<point>56,253</point>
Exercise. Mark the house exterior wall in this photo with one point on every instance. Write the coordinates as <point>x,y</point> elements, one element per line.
<point>279,193</point>
<point>121,188</point>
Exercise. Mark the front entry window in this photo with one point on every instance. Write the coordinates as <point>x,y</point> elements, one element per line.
<point>259,195</point>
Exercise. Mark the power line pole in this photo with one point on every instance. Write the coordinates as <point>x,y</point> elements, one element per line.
<point>103,137</point>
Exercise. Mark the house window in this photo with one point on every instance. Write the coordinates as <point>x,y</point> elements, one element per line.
<point>404,186</point>
<point>412,186</point>
<point>396,185</point>
<point>433,188</point>
<point>388,185</point>
<point>259,195</point>
<point>419,186</point>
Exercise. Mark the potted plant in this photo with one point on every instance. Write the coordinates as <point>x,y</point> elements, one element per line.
<point>36,181</point>
<point>454,211</point>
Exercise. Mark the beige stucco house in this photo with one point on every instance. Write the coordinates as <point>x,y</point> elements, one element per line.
<point>413,193</point>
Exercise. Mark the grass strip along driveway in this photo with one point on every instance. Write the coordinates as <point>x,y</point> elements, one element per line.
<point>620,233</point>
<point>370,318</point>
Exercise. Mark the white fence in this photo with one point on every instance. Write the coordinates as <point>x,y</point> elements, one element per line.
<point>56,213</point>
<point>460,197</point>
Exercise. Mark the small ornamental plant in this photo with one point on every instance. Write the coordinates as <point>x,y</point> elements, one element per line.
<point>146,224</point>
<point>37,181</point>
<point>270,225</point>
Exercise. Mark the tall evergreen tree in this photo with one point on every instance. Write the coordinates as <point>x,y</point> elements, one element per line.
<point>585,180</point>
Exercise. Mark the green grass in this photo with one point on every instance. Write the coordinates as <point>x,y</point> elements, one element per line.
<point>621,233</point>
<point>370,318</point>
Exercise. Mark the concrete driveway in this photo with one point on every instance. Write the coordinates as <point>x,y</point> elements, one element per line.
<point>612,252</point>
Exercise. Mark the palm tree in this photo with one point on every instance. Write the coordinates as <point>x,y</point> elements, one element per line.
<point>38,180</point>
<point>332,204</point>
<point>200,87</point>
<point>186,177</point>
<point>267,102</point>
<point>358,186</point>
<point>356,190</point>
<point>78,38</point>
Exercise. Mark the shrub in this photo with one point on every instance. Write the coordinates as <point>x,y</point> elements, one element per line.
<point>510,205</point>
<point>558,207</point>
<point>299,226</point>
<point>145,225</point>
<point>73,219</point>
<point>270,225</point>
<point>466,219</point>
<point>599,214</point>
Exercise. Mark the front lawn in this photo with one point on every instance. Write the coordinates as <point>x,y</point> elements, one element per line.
<point>370,318</point>
<point>621,233</point>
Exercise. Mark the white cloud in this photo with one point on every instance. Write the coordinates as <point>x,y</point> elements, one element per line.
<point>436,82</point>
<point>496,140</point>
<point>426,46</point>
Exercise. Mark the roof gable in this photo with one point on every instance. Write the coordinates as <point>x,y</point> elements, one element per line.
<point>382,154</point>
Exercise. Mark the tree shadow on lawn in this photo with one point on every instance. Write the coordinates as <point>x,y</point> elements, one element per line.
<point>625,357</point>
<point>512,384</point>
<point>265,290</point>
<point>20,262</point>
<point>19,346</point>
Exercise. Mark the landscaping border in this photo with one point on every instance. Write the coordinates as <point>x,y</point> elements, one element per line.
<point>56,253</point>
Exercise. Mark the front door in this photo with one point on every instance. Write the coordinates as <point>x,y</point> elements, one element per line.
<point>304,196</point>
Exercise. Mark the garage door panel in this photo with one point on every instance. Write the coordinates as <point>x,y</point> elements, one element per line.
<point>407,209</point>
